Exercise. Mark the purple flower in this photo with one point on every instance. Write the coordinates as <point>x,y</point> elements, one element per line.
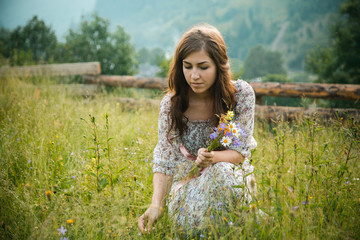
<point>181,209</point>
<point>242,133</point>
<point>295,208</point>
<point>64,238</point>
<point>231,223</point>
<point>305,203</point>
<point>237,142</point>
<point>72,176</point>
<point>347,182</point>
<point>214,135</point>
<point>29,161</point>
<point>62,231</point>
<point>222,125</point>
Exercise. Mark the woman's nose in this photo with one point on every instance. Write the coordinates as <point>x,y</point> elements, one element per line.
<point>194,75</point>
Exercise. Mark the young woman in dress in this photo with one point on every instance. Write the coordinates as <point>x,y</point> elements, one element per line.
<point>200,88</point>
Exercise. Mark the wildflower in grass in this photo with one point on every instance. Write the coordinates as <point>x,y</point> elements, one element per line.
<point>70,221</point>
<point>347,182</point>
<point>181,209</point>
<point>72,176</point>
<point>134,177</point>
<point>252,206</point>
<point>224,218</point>
<point>29,161</point>
<point>231,224</point>
<point>295,208</point>
<point>27,185</point>
<point>305,203</point>
<point>48,194</point>
<point>64,238</point>
<point>219,205</point>
<point>62,231</point>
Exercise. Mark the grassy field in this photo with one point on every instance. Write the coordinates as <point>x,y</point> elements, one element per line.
<point>81,168</point>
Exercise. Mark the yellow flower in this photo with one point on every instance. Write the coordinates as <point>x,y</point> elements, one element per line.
<point>27,185</point>
<point>252,206</point>
<point>229,115</point>
<point>70,221</point>
<point>48,193</point>
<point>224,218</point>
<point>310,197</point>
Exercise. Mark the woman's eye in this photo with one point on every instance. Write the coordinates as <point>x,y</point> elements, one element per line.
<point>203,68</point>
<point>187,67</point>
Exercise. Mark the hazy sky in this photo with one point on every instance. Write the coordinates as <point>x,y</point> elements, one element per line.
<point>60,14</point>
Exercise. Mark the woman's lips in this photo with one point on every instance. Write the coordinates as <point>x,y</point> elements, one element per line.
<point>196,84</point>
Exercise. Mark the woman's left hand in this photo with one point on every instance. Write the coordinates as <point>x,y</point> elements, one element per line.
<point>204,158</point>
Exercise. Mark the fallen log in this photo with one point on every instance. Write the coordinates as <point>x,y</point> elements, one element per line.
<point>308,90</point>
<point>126,81</point>
<point>291,113</point>
<point>64,69</point>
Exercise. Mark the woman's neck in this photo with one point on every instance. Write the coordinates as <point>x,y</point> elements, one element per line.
<point>202,97</point>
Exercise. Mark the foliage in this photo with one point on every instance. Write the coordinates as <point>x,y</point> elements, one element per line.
<point>280,78</point>
<point>307,171</point>
<point>340,62</point>
<point>93,42</point>
<point>32,44</point>
<point>260,62</point>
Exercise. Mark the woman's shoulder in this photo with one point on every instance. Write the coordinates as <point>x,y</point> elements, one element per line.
<point>243,88</point>
<point>166,101</point>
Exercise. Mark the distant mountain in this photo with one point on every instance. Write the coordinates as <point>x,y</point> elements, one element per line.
<point>289,26</point>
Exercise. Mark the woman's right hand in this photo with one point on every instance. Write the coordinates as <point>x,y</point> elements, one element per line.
<point>148,218</point>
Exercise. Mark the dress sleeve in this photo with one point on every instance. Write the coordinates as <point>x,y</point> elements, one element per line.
<point>165,153</point>
<point>244,115</point>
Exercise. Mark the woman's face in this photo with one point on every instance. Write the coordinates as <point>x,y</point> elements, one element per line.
<point>199,71</point>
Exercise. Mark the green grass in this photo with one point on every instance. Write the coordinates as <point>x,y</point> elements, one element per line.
<point>52,169</point>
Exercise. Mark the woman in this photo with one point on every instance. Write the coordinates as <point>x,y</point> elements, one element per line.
<point>200,89</point>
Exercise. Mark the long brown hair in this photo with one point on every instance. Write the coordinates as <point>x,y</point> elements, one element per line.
<point>200,37</point>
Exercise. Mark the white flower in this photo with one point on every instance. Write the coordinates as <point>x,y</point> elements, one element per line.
<point>235,132</point>
<point>232,125</point>
<point>226,141</point>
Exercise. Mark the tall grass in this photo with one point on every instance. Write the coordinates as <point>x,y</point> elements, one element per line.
<point>84,164</point>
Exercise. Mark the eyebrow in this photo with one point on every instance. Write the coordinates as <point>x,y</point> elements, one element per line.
<point>197,63</point>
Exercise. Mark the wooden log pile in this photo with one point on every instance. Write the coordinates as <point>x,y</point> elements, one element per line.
<point>64,69</point>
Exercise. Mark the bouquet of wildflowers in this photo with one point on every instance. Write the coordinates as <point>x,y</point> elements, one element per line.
<point>227,133</point>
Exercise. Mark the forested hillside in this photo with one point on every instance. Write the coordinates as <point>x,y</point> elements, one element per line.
<point>290,26</point>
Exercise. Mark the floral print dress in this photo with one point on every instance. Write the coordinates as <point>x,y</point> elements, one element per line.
<point>222,186</point>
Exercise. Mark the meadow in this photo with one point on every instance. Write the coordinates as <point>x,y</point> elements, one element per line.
<point>74,167</point>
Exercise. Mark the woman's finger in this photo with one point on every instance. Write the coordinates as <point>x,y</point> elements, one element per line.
<point>141,224</point>
<point>149,225</point>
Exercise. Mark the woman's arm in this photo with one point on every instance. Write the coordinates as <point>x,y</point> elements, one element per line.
<point>206,158</point>
<point>161,187</point>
